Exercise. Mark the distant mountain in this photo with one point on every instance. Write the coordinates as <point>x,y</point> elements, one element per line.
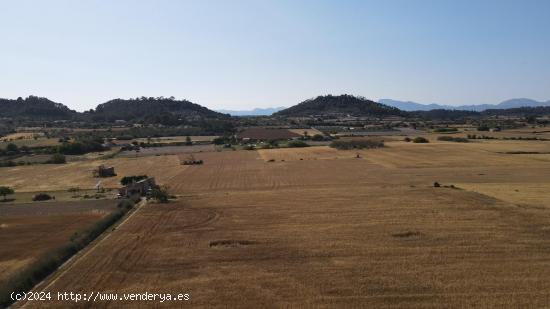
<point>411,106</point>
<point>35,108</point>
<point>255,112</point>
<point>153,110</point>
<point>513,103</point>
<point>330,105</point>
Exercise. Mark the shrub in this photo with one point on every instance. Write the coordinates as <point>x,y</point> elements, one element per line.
<point>160,195</point>
<point>357,144</point>
<point>483,127</point>
<point>297,144</point>
<point>126,204</point>
<point>57,158</point>
<point>420,139</point>
<point>126,180</point>
<point>452,139</point>
<point>12,148</point>
<point>442,130</point>
<point>6,191</point>
<point>407,139</point>
<point>81,147</point>
<point>7,164</point>
<point>41,197</point>
<point>318,138</point>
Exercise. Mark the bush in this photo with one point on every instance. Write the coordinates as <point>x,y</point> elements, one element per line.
<point>452,139</point>
<point>7,164</point>
<point>126,180</point>
<point>420,139</point>
<point>483,127</point>
<point>81,147</point>
<point>57,158</point>
<point>160,195</point>
<point>297,144</point>
<point>12,148</point>
<point>318,138</point>
<point>443,130</point>
<point>407,139</point>
<point>126,204</point>
<point>41,197</point>
<point>6,191</point>
<point>357,144</point>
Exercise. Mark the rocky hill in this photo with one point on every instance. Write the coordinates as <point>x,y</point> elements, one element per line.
<point>330,105</point>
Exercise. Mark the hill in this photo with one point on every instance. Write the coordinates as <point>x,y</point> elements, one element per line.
<point>512,103</point>
<point>35,108</point>
<point>330,105</point>
<point>152,110</point>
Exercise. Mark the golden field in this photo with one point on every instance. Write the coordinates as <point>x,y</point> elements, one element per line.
<point>320,228</point>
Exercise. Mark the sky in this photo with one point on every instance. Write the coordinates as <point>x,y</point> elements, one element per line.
<point>245,54</point>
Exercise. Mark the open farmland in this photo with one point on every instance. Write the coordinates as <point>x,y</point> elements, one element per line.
<point>333,230</point>
<point>53,177</point>
<point>168,150</point>
<point>27,231</point>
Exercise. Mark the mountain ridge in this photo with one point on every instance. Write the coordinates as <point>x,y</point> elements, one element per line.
<point>507,104</point>
<point>258,111</point>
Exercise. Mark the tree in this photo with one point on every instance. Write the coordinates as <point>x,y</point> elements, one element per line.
<point>126,180</point>
<point>5,191</point>
<point>160,194</point>
<point>11,147</point>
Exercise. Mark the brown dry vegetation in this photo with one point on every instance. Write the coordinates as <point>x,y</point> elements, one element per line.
<point>332,230</point>
<point>28,231</point>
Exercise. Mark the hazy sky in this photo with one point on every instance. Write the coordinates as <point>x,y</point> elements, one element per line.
<point>242,54</point>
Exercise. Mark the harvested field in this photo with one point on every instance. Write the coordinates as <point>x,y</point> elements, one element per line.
<point>327,248</point>
<point>310,132</point>
<point>30,230</point>
<point>332,230</point>
<point>177,139</point>
<point>446,154</point>
<point>51,177</point>
<point>31,142</point>
<point>168,150</point>
<point>306,153</point>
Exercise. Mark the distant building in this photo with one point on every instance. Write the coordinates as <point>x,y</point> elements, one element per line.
<point>142,187</point>
<point>103,171</point>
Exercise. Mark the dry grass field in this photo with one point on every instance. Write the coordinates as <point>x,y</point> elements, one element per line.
<point>52,177</point>
<point>177,139</point>
<point>310,132</point>
<point>317,227</point>
<point>29,230</point>
<point>31,142</point>
<point>332,230</point>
